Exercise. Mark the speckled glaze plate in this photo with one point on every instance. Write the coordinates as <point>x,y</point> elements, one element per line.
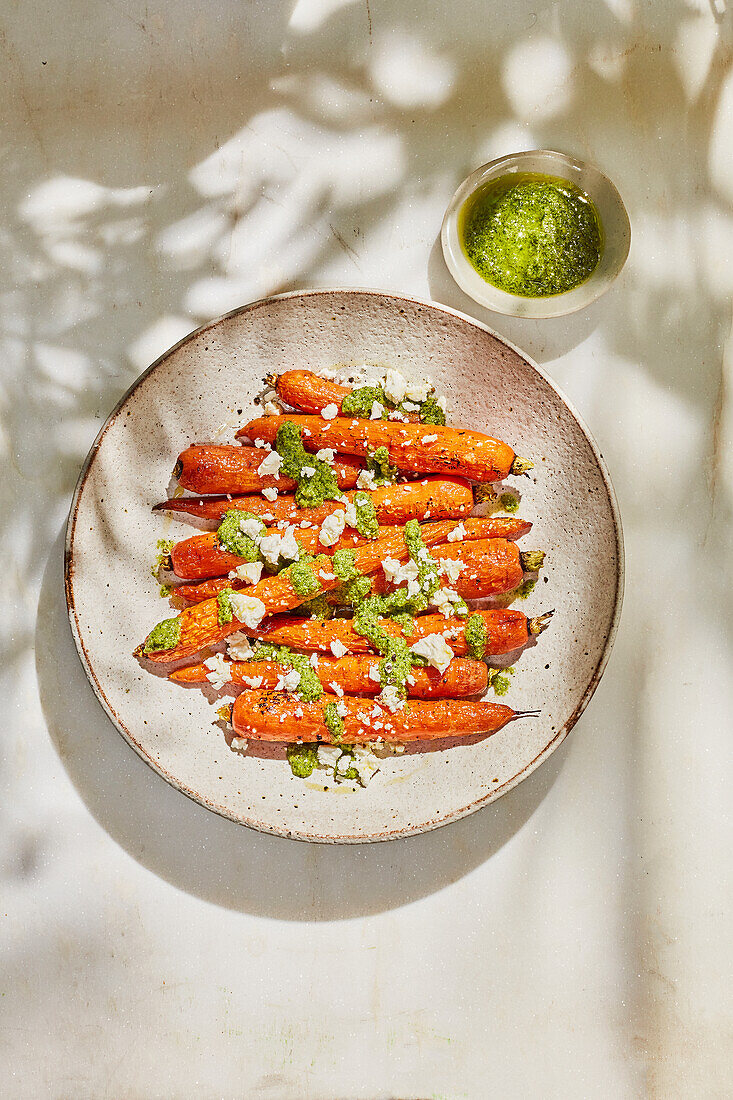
<point>200,384</point>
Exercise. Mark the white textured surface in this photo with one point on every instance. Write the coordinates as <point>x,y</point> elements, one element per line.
<point>169,162</point>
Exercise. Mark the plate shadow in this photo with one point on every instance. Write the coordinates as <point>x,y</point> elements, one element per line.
<point>220,861</point>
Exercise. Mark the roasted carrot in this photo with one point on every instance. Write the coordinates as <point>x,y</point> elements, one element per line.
<point>271,716</point>
<point>199,626</point>
<point>420,448</point>
<point>211,468</point>
<point>354,675</point>
<point>506,630</point>
<point>430,498</point>
<point>201,556</point>
<point>309,393</point>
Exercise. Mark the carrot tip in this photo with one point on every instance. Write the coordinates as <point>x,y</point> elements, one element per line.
<point>540,622</point>
<point>520,465</point>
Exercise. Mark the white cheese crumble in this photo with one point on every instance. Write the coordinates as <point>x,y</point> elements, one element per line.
<point>313,660</point>
<point>457,534</point>
<point>270,464</point>
<point>376,411</point>
<point>218,675</point>
<point>247,609</point>
<point>400,572</point>
<point>288,681</point>
<point>307,471</point>
<point>239,744</point>
<point>270,493</point>
<point>252,681</point>
<point>338,648</point>
<point>391,698</point>
<point>452,568</point>
<point>249,571</point>
<point>263,445</point>
<point>408,406</point>
<point>366,480</point>
<point>251,527</point>
<point>350,515</point>
<point>395,386</point>
<point>436,651</point>
<point>239,647</point>
<point>330,412</point>
<point>326,454</point>
<point>332,528</point>
<point>444,599</point>
<point>374,674</point>
<point>328,755</point>
<point>442,403</point>
<point>272,409</point>
<point>270,548</point>
<point>289,548</point>
<point>417,391</point>
<point>428,439</point>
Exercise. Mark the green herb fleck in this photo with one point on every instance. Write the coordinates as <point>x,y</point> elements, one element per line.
<point>378,464</point>
<point>334,722</point>
<point>343,564</point>
<point>224,610</point>
<point>359,402</point>
<point>312,489</point>
<point>302,577</point>
<point>499,680</point>
<point>431,412</point>
<point>366,516</point>
<point>165,591</point>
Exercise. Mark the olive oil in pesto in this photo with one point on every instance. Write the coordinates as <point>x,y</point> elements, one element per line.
<point>531,235</point>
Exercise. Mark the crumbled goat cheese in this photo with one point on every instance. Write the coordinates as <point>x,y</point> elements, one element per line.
<point>328,755</point>
<point>272,409</point>
<point>218,675</point>
<point>399,572</point>
<point>289,548</point>
<point>251,527</point>
<point>288,681</point>
<point>436,651</point>
<point>457,534</point>
<point>366,480</point>
<point>247,609</point>
<point>330,412</point>
<point>252,681</point>
<point>326,454</point>
<point>270,494</point>
<point>417,391</point>
<point>376,411</point>
<point>350,515</point>
<point>444,599</point>
<point>263,445</point>
<point>374,674</point>
<point>442,403</point>
<point>239,647</point>
<point>270,464</point>
<point>408,406</point>
<point>452,568</point>
<point>395,386</point>
<point>332,528</point>
<point>239,744</point>
<point>391,698</point>
<point>250,571</point>
<point>313,660</point>
<point>270,548</point>
<point>338,648</point>
<point>428,439</point>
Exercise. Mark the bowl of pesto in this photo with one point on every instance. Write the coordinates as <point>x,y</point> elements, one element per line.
<point>536,234</point>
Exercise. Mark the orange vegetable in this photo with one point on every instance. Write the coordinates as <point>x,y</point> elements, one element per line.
<point>210,468</point>
<point>419,448</point>
<point>200,627</point>
<point>492,567</point>
<point>258,714</point>
<point>430,498</point>
<point>201,556</point>
<point>506,630</point>
<point>352,675</point>
<point>308,392</point>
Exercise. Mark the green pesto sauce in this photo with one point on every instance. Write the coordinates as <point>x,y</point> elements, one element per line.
<point>366,516</point>
<point>302,577</point>
<point>165,635</point>
<point>232,539</point>
<point>343,564</point>
<point>334,722</point>
<point>531,235</point>
<point>524,589</point>
<point>224,609</point>
<point>431,412</point>
<point>476,636</point>
<point>312,489</point>
<point>303,759</point>
<point>359,402</point>
<point>353,592</point>
<point>310,688</point>
<point>317,608</point>
<point>165,591</point>
<point>509,502</point>
<point>378,465</point>
<point>499,680</point>
<point>164,547</point>
<point>397,660</point>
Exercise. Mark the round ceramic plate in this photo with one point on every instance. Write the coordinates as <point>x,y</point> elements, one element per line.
<point>199,385</point>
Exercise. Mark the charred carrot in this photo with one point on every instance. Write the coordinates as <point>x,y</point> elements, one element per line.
<point>309,393</point>
<point>207,623</point>
<point>201,556</point>
<point>419,448</point>
<point>271,716</point>
<point>354,675</point>
<point>210,468</point>
<point>430,498</point>
<point>505,630</point>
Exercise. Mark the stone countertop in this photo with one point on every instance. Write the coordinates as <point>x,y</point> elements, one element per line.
<point>167,162</point>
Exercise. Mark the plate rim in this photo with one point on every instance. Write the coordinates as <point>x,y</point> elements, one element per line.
<point>394,834</point>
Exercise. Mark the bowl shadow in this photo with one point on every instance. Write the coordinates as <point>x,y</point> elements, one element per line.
<point>220,861</point>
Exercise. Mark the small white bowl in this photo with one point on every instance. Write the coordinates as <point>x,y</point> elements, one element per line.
<point>615,231</point>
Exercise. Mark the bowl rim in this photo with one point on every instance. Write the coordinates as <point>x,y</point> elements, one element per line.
<point>402,833</point>
<point>515,305</point>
